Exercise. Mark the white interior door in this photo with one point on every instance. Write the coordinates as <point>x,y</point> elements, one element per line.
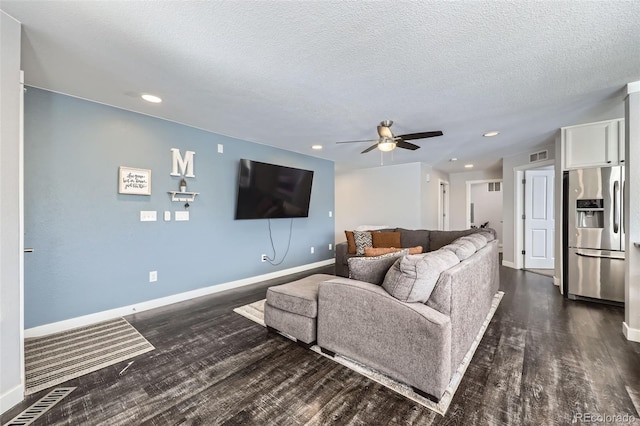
<point>539,224</point>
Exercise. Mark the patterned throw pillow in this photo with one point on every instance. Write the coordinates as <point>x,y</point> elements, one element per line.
<point>373,269</point>
<point>362,239</point>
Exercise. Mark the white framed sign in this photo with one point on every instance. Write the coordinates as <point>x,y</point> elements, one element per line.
<point>134,181</point>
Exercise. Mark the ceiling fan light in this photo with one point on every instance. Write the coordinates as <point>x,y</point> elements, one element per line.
<point>386,145</point>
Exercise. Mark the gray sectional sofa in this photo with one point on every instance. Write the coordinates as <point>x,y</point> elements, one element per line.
<point>429,240</point>
<point>415,322</point>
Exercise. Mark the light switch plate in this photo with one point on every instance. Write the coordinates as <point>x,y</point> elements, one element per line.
<point>167,215</point>
<point>182,216</point>
<point>220,148</point>
<point>148,216</point>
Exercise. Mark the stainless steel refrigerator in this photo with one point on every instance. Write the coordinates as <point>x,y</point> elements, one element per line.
<point>595,234</point>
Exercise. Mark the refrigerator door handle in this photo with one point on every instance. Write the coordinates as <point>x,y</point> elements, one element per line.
<point>616,207</point>
<point>600,257</point>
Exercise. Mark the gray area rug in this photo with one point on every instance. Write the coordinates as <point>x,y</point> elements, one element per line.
<point>255,312</point>
<point>56,358</point>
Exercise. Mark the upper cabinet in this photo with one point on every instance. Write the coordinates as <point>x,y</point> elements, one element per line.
<point>598,144</point>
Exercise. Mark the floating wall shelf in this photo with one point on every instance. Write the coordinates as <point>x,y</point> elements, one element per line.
<point>183,196</point>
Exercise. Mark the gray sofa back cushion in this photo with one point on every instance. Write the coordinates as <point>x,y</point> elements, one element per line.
<point>414,238</point>
<point>461,248</point>
<point>476,239</point>
<point>412,278</point>
<point>373,269</point>
<point>439,239</point>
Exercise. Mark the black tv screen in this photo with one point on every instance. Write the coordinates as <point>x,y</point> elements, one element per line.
<point>267,191</point>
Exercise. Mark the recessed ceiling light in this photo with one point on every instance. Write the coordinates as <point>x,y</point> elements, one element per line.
<point>453,159</point>
<point>151,98</point>
<point>468,166</point>
<point>316,147</point>
<point>492,133</point>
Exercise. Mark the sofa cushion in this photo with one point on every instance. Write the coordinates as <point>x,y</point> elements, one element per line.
<point>351,243</point>
<point>488,235</point>
<point>412,278</point>
<point>299,297</point>
<point>462,248</point>
<point>373,269</point>
<point>476,239</point>
<point>379,251</point>
<point>414,238</point>
<point>363,239</point>
<point>439,239</point>
<point>386,239</point>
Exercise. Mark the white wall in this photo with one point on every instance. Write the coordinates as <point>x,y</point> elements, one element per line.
<point>430,184</point>
<point>458,194</point>
<point>631,326</point>
<point>395,195</point>
<point>11,362</point>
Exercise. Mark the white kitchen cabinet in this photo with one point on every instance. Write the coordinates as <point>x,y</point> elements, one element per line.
<point>593,144</point>
<point>621,148</point>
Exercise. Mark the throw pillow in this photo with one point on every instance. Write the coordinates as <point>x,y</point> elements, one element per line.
<point>476,239</point>
<point>462,248</point>
<point>351,243</point>
<point>373,269</point>
<point>412,278</point>
<point>362,240</point>
<point>378,251</point>
<point>386,239</point>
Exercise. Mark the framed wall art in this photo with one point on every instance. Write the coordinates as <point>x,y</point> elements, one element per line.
<point>134,181</point>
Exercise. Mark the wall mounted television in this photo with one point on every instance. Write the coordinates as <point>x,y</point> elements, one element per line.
<point>270,191</point>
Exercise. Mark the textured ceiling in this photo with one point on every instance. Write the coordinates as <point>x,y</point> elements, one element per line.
<point>291,73</point>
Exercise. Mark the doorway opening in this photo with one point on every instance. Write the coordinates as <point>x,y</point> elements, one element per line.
<point>443,205</point>
<point>484,205</point>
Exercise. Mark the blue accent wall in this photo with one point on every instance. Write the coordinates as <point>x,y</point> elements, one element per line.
<point>92,253</point>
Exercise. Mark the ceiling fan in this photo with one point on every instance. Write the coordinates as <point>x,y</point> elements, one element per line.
<point>387,141</point>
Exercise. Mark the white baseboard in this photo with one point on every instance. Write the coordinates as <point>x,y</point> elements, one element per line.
<point>632,334</point>
<point>10,398</point>
<point>509,264</point>
<point>84,320</point>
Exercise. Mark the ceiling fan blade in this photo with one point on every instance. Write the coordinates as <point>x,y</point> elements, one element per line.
<point>421,135</point>
<point>371,148</point>
<point>406,145</point>
<point>366,140</point>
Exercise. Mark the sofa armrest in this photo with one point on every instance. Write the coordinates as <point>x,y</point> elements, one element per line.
<point>410,342</point>
<point>342,268</point>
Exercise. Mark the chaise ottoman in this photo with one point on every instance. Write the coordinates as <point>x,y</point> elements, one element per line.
<point>292,308</point>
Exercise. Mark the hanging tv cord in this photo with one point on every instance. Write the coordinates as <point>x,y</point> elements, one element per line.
<point>275,255</point>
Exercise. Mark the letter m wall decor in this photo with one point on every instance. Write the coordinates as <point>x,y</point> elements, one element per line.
<point>185,164</point>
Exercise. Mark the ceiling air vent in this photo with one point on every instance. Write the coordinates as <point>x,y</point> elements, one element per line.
<point>538,156</point>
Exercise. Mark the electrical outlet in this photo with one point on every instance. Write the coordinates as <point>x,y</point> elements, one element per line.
<point>330,246</point>
<point>153,276</point>
<point>313,250</point>
<point>263,258</point>
<point>330,213</point>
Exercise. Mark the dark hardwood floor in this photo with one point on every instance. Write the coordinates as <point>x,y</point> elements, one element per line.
<point>543,360</point>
